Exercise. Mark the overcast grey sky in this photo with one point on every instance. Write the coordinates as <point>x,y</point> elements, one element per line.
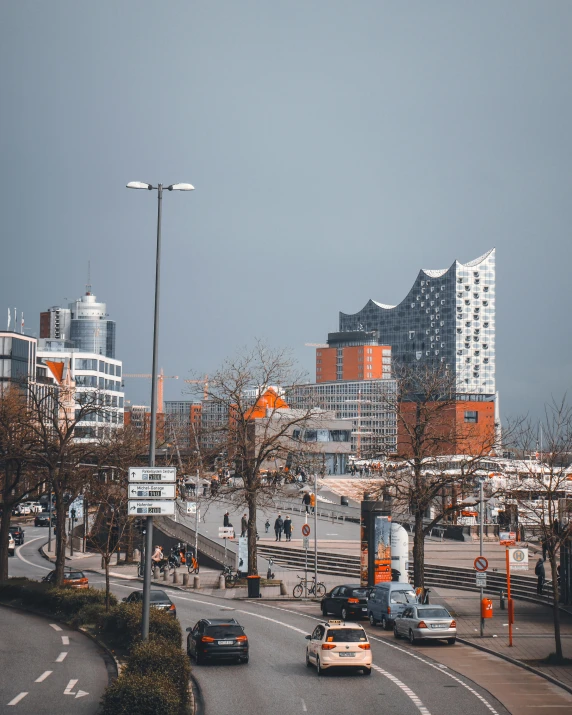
<point>335,147</point>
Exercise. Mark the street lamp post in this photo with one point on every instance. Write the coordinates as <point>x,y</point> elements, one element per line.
<point>152,436</point>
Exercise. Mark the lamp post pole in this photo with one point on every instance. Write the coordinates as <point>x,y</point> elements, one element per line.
<point>481,523</point>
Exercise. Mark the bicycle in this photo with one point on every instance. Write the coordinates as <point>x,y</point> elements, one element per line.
<point>230,578</point>
<point>312,588</point>
<point>192,563</point>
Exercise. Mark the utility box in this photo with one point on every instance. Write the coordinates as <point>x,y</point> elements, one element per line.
<point>486,608</point>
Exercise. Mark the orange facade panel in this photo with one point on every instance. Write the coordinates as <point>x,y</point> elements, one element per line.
<point>326,364</point>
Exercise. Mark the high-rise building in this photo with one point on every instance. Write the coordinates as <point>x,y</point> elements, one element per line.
<point>55,323</point>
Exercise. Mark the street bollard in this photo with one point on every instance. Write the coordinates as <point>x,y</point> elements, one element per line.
<point>118,557</point>
<point>221,582</point>
<point>502,601</point>
<point>196,582</point>
<point>283,591</point>
<point>185,579</point>
<point>155,572</point>
<point>175,576</point>
<point>165,574</point>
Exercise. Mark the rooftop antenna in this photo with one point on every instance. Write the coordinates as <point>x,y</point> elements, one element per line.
<point>88,284</point>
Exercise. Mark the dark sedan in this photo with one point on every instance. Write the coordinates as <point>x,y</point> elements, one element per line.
<point>44,520</point>
<point>217,639</point>
<point>348,602</point>
<point>159,600</point>
<point>18,534</point>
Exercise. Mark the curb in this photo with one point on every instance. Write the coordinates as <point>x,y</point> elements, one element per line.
<point>198,703</point>
<point>518,663</point>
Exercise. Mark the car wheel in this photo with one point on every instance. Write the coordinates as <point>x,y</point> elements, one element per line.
<point>324,610</point>
<point>451,641</point>
<point>344,614</point>
<point>367,671</point>
<point>319,669</point>
<point>372,620</point>
<point>308,664</point>
<point>384,623</point>
<point>412,638</point>
<point>396,633</point>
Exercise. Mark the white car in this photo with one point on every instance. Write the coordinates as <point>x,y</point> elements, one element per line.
<point>23,509</point>
<point>35,507</point>
<point>339,644</point>
<point>11,545</point>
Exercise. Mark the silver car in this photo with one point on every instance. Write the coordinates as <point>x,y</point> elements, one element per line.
<point>425,623</point>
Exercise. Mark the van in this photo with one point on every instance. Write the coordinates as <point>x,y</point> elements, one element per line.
<point>388,600</point>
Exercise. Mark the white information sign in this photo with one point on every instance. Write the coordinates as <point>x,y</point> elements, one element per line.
<point>242,555</point>
<point>306,542</point>
<point>151,508</point>
<point>518,559</point>
<point>151,491</point>
<point>77,505</point>
<point>152,474</point>
<point>226,532</point>
<point>481,580</point>
<point>191,507</point>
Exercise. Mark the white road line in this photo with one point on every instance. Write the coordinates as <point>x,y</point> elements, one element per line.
<point>17,699</point>
<point>406,689</point>
<point>304,708</point>
<point>65,640</point>
<point>43,676</point>
<point>19,555</point>
<point>69,687</point>
<point>55,627</point>
<point>61,657</point>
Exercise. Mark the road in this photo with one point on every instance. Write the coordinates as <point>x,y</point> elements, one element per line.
<point>406,681</point>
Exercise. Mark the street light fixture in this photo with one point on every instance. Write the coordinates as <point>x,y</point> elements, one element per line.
<point>153,434</point>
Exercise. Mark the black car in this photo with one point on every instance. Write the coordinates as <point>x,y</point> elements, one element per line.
<point>18,534</point>
<point>348,602</point>
<point>217,639</point>
<point>159,600</point>
<point>44,520</point>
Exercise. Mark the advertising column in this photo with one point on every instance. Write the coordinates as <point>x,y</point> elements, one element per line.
<point>375,540</point>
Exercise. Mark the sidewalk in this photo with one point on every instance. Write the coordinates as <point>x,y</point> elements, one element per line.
<point>533,630</point>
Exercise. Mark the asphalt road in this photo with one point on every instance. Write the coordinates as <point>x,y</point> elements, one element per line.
<point>405,681</point>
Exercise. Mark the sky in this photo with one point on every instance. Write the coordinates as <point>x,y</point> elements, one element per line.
<point>335,148</point>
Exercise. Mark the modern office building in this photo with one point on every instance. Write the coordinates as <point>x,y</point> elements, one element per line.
<point>17,358</point>
<point>353,356</point>
<point>183,422</point>
<point>84,323</point>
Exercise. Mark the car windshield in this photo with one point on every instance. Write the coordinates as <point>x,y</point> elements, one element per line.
<point>224,631</point>
<point>73,574</point>
<point>403,597</point>
<point>360,593</point>
<point>159,596</point>
<point>345,635</point>
<point>433,613</point>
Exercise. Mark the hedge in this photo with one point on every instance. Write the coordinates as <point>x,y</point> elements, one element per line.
<point>63,602</point>
<point>122,624</point>
<point>158,657</point>
<point>134,694</point>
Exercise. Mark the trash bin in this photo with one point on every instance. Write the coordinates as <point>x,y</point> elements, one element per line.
<point>487,608</point>
<point>253,586</point>
<point>343,501</point>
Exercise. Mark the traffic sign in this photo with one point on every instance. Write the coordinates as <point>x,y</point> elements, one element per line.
<point>152,474</point>
<point>518,559</point>
<point>165,507</point>
<point>306,542</point>
<point>191,507</point>
<point>481,579</point>
<point>507,538</point>
<point>306,529</point>
<point>151,491</point>
<point>226,532</point>
<point>481,564</point>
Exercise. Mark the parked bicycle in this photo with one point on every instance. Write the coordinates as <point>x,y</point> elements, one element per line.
<point>230,578</point>
<point>192,563</point>
<point>310,587</point>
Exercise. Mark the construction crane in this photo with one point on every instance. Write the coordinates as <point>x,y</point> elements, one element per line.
<point>160,377</point>
<point>204,382</point>
<point>316,345</point>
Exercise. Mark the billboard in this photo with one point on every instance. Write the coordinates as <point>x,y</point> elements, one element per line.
<point>382,543</point>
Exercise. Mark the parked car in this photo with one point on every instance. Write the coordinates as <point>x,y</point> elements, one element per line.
<point>159,600</point>
<point>422,622</point>
<point>217,639</point>
<point>35,507</point>
<point>346,601</point>
<point>18,534</point>
<point>11,545</point>
<point>336,644</point>
<point>22,510</point>
<point>388,600</point>
<point>44,520</point>
<point>72,577</point>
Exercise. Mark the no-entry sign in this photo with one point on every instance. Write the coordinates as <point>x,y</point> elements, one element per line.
<point>306,529</point>
<point>481,564</point>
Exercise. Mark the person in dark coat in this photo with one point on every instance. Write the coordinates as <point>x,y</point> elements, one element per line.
<point>306,501</point>
<point>243,525</point>
<point>541,574</point>
<point>278,527</point>
<point>226,519</point>
<point>288,528</point>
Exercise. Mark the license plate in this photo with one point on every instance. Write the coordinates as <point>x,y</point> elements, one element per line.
<point>225,642</point>
<point>364,609</point>
<point>438,625</point>
<point>347,655</point>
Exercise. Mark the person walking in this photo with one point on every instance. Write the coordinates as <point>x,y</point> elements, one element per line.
<point>278,527</point>
<point>288,528</point>
<point>226,519</point>
<point>267,525</point>
<point>313,502</point>
<point>306,502</point>
<point>541,574</point>
<point>243,525</point>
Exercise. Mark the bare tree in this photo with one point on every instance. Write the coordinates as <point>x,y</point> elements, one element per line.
<point>543,491</point>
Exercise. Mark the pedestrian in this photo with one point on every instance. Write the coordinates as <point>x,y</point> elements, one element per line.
<point>306,502</point>
<point>541,574</point>
<point>243,525</point>
<point>267,525</point>
<point>313,502</point>
<point>278,527</point>
<point>226,519</point>
<point>288,528</point>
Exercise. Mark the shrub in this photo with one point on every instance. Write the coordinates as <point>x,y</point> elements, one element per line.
<point>142,694</point>
<point>123,625</point>
<point>91,613</point>
<point>164,659</point>
<point>60,602</point>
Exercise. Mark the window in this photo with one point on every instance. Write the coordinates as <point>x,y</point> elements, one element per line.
<point>471,416</point>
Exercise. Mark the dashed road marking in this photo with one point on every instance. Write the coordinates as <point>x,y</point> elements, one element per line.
<point>61,657</point>
<point>65,640</point>
<point>406,689</point>
<point>304,708</point>
<point>69,687</point>
<point>17,699</point>
<point>43,676</point>
<point>55,627</point>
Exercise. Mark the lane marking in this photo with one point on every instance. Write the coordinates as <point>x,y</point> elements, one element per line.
<point>69,687</point>
<point>19,555</point>
<point>43,676</point>
<point>65,640</point>
<point>61,657</point>
<point>81,694</point>
<point>304,708</point>
<point>17,699</point>
<point>406,689</point>
<point>55,627</point>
